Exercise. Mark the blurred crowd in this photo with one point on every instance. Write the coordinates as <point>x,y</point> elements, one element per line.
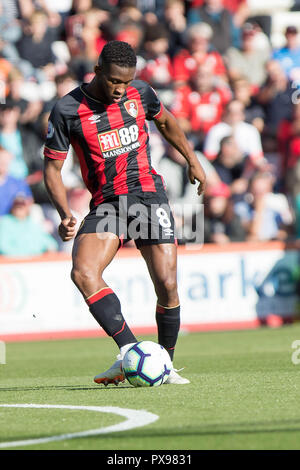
<point>213,65</point>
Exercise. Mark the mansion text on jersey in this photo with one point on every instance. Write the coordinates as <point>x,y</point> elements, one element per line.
<point>116,152</point>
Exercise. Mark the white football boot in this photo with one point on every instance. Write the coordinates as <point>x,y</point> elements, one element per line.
<point>175,379</point>
<point>113,375</point>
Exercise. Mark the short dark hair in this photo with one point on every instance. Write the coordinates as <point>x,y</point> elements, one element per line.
<point>64,76</point>
<point>155,32</point>
<point>119,53</point>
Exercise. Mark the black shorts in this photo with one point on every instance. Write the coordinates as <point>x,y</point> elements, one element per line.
<point>147,219</point>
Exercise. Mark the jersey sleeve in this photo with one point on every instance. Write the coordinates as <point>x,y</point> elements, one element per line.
<point>58,138</point>
<point>153,104</point>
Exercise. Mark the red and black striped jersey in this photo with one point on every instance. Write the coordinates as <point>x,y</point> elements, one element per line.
<point>111,141</point>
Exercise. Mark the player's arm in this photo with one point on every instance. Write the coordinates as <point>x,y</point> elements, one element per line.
<point>58,195</point>
<point>169,128</point>
<point>55,152</point>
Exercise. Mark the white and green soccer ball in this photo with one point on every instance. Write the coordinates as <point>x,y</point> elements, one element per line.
<point>146,364</point>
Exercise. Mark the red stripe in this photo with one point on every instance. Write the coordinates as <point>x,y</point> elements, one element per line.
<point>120,330</point>
<point>160,309</point>
<point>145,177</point>
<point>121,238</point>
<point>116,120</point>
<point>55,154</point>
<point>158,115</point>
<point>90,133</point>
<point>99,295</point>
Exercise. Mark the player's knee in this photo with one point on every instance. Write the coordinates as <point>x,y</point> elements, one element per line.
<point>168,289</point>
<point>83,276</point>
<point>170,285</point>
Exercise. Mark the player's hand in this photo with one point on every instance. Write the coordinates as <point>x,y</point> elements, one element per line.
<point>196,172</point>
<point>67,229</point>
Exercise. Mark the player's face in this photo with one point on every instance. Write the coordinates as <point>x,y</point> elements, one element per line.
<point>113,81</point>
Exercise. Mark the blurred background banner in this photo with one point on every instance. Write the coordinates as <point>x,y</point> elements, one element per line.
<point>239,286</point>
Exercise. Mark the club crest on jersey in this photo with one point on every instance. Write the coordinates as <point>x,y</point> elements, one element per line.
<point>131,107</point>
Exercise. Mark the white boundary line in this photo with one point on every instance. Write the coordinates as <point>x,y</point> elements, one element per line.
<point>135,419</point>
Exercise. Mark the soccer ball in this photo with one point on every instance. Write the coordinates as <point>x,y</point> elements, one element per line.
<point>146,364</point>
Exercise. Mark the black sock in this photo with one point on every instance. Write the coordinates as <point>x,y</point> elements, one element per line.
<point>106,309</point>
<point>168,324</point>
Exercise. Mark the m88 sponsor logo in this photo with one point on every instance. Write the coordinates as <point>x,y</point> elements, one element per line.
<point>118,141</point>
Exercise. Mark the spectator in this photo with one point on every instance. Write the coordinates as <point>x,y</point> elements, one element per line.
<point>65,83</point>
<point>198,52</point>
<point>57,11</point>
<point>289,55</point>
<point>74,25</point>
<point>276,97</point>
<point>35,48</point>
<point>200,106</point>
<point>128,24</point>
<point>85,37</point>
<point>230,165</point>
<point>30,106</point>
<point>289,147</point>
<point>9,186</point>
<point>129,12</point>
<point>239,9</point>
<point>92,36</point>
<point>248,61</point>
<point>158,68</point>
<point>265,215</point>
<point>23,141</point>
<point>152,10</point>
<point>254,113</point>
<point>246,135</point>
<point>220,19</point>
<point>175,22</point>
<point>221,224</point>
<point>274,160</point>
<point>20,235</point>
<point>11,139</point>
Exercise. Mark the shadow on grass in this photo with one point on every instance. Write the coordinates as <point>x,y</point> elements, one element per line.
<point>62,387</point>
<point>283,426</point>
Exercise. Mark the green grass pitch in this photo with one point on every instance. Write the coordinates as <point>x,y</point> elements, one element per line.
<point>244,394</point>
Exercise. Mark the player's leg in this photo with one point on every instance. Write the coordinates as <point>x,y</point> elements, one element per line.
<point>161,260</point>
<point>91,255</point>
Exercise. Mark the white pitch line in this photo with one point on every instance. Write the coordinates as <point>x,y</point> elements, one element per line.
<point>135,419</point>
